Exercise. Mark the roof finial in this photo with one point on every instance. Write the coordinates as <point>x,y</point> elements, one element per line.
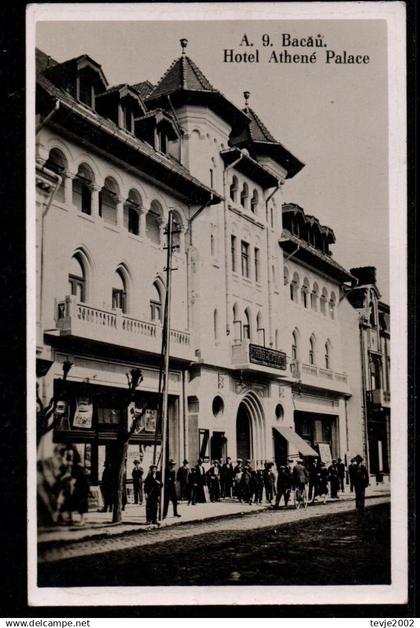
<point>184,44</point>
<point>246,96</point>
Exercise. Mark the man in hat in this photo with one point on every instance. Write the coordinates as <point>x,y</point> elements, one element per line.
<point>152,486</point>
<point>269,481</point>
<point>213,481</point>
<point>200,479</point>
<point>360,482</point>
<point>284,485</point>
<point>182,477</point>
<point>334,479</point>
<point>341,473</point>
<point>226,478</point>
<point>170,490</point>
<point>237,476</point>
<point>137,475</point>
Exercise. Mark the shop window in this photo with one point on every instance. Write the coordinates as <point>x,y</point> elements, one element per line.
<point>77,278</point>
<point>58,164</point>
<point>82,189</point>
<point>245,259</point>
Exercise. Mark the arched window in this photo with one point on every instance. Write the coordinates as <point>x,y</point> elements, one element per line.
<point>254,202</point>
<point>154,219</point>
<point>294,346</point>
<point>286,277</point>
<point>156,302</point>
<point>314,297</point>
<point>77,278</point>
<point>294,287</point>
<point>132,207</point>
<point>247,325</point>
<point>108,200</point>
<point>119,291</point>
<point>233,190</point>
<point>176,231</point>
<point>58,164</point>
<point>260,330</point>
<point>323,301</point>
<point>82,189</point>
<point>216,325</point>
<point>312,350</point>
<point>305,292</point>
<point>332,304</point>
<point>237,325</point>
<point>328,355</point>
<point>244,196</point>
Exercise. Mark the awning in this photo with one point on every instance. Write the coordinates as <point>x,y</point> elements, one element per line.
<point>294,439</point>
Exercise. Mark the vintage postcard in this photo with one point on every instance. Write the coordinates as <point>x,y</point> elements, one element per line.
<point>217,304</point>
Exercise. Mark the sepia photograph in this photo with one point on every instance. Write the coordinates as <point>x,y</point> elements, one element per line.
<point>216,248</point>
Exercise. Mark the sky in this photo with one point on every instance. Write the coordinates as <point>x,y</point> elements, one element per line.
<point>333,117</point>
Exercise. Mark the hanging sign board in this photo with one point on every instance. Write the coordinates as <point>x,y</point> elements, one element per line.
<point>325,453</point>
<point>83,414</point>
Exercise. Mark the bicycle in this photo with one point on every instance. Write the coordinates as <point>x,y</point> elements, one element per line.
<point>300,495</point>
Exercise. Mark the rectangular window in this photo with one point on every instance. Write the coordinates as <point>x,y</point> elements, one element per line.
<point>245,258</point>
<point>257,264</point>
<point>233,252</point>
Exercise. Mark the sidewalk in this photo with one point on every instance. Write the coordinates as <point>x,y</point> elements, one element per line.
<point>98,525</point>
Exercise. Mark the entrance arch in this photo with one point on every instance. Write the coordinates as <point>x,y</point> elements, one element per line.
<point>250,437</point>
<point>243,433</point>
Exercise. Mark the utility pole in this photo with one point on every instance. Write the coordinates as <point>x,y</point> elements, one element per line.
<point>166,333</point>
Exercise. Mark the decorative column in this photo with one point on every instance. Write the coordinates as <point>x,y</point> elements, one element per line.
<point>120,212</point>
<point>68,188</point>
<point>95,201</point>
<point>142,222</point>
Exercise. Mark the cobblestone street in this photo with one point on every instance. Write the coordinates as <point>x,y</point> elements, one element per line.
<point>326,535</point>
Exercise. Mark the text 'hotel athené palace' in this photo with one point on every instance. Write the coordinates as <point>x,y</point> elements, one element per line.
<point>275,349</point>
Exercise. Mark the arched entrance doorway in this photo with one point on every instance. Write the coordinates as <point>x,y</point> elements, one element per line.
<point>243,433</point>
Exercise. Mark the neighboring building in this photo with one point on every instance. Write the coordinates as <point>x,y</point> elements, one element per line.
<point>374,340</point>
<point>259,323</point>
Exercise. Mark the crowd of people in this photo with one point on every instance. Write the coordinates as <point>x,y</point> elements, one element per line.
<point>194,484</point>
<point>240,481</point>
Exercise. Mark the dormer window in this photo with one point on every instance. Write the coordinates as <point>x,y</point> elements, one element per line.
<point>85,88</point>
<point>161,140</point>
<point>128,119</point>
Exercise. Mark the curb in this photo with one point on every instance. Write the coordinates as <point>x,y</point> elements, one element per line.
<point>105,535</point>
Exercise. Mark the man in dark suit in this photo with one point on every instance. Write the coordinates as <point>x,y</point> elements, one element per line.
<point>170,490</point>
<point>182,477</point>
<point>200,478</point>
<point>341,473</point>
<point>213,481</point>
<point>226,478</point>
<point>137,475</point>
<point>360,482</point>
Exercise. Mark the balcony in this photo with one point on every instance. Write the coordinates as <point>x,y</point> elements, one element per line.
<point>312,375</point>
<point>112,327</point>
<point>251,357</point>
<point>379,398</point>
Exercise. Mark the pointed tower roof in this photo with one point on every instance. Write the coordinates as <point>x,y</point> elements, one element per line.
<point>185,83</point>
<point>182,74</point>
<point>261,143</point>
